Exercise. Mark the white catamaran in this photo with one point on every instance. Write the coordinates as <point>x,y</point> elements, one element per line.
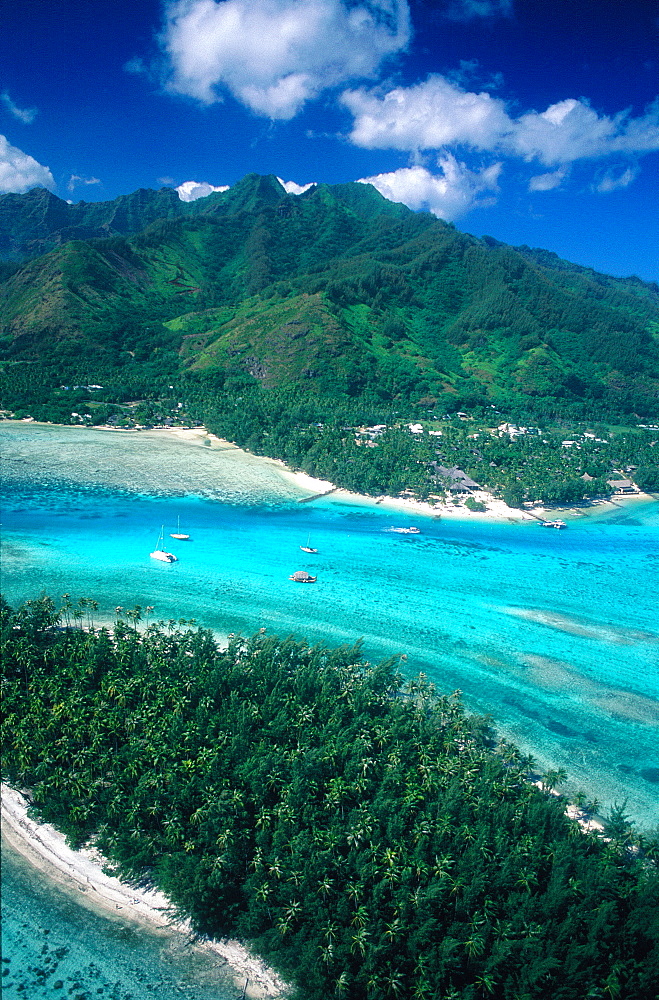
<point>159,551</point>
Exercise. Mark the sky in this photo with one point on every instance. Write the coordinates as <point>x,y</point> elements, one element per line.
<point>532,121</point>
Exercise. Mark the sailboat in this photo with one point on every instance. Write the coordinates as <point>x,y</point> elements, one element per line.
<point>307,547</point>
<point>180,535</point>
<point>159,551</point>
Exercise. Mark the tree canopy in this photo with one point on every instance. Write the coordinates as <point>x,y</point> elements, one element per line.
<point>368,836</point>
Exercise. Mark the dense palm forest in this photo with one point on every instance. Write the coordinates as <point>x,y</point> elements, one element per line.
<point>370,838</point>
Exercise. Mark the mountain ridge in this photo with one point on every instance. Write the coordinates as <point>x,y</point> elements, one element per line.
<point>421,310</point>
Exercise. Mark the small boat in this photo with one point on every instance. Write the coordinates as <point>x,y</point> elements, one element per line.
<point>159,551</point>
<point>404,531</point>
<point>307,547</point>
<point>554,524</point>
<point>302,577</point>
<point>181,536</point>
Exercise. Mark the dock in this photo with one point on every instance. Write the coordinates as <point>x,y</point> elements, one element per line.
<point>317,496</point>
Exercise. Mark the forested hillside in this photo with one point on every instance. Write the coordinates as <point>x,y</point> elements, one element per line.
<point>336,292</point>
<point>368,837</point>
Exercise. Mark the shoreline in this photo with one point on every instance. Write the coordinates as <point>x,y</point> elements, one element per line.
<point>45,848</point>
<point>497,512</point>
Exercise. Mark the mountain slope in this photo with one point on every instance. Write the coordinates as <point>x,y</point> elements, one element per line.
<point>337,289</point>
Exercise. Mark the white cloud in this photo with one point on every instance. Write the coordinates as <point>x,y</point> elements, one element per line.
<point>613,182</point>
<point>26,115</point>
<point>430,115</point>
<point>570,130</point>
<point>547,182</point>
<point>75,180</point>
<point>192,190</point>
<point>437,113</point>
<point>273,55</point>
<point>290,187</point>
<point>448,195</point>
<point>20,172</point>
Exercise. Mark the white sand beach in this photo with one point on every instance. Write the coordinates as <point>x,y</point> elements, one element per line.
<point>496,509</point>
<point>239,463</point>
<point>82,871</point>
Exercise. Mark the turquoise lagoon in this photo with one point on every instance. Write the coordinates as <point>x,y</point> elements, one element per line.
<point>554,635</point>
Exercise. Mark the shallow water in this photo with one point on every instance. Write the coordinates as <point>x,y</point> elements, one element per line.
<point>554,634</point>
<point>54,947</point>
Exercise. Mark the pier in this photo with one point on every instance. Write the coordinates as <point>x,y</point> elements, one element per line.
<point>317,496</point>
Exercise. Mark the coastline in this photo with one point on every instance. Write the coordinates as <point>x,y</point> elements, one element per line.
<point>496,510</point>
<point>45,848</point>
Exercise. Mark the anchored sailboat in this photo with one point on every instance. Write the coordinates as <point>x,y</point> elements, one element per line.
<point>307,547</point>
<point>180,535</point>
<point>159,551</point>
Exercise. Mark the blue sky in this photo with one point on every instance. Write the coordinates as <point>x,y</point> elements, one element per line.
<point>533,121</point>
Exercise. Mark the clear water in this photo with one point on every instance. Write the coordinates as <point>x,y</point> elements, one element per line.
<point>52,946</point>
<point>554,634</point>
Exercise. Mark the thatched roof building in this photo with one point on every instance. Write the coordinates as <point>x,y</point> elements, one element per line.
<point>457,480</point>
<point>301,576</point>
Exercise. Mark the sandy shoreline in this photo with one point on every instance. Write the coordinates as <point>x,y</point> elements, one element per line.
<point>496,510</point>
<point>45,848</point>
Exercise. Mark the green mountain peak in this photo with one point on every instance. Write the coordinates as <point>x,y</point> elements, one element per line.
<point>336,288</point>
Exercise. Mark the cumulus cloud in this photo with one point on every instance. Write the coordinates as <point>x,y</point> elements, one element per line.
<point>26,115</point>
<point>438,113</point>
<point>547,182</point>
<point>570,130</point>
<point>448,194</point>
<point>20,172</point>
<point>75,180</point>
<point>274,55</point>
<point>290,187</point>
<point>613,181</point>
<point>430,115</point>
<point>192,190</point>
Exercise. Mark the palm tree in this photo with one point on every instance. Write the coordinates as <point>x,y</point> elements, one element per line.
<point>553,778</point>
<point>487,983</point>
<point>359,940</point>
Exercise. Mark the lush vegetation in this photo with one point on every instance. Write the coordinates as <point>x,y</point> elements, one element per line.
<point>288,323</point>
<point>554,462</point>
<point>336,293</point>
<point>369,837</point>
